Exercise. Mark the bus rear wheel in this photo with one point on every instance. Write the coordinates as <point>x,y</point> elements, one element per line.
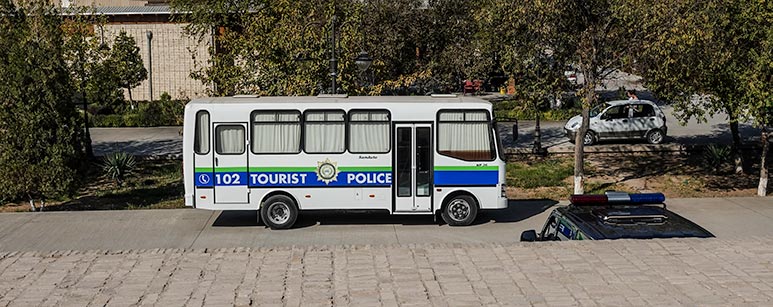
<point>279,212</point>
<point>461,210</point>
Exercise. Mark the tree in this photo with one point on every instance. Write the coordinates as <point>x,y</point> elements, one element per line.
<point>40,143</point>
<point>126,63</point>
<point>601,39</point>
<point>709,57</point>
<point>532,42</point>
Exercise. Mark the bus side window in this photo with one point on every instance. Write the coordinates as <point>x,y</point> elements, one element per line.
<point>201,135</point>
<point>369,131</point>
<point>276,132</point>
<point>465,135</point>
<point>324,132</point>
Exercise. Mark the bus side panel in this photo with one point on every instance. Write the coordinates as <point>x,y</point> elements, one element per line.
<point>487,197</point>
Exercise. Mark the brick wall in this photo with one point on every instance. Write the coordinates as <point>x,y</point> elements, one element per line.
<point>172,58</point>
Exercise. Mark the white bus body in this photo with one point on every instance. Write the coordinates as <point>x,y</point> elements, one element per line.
<point>403,155</point>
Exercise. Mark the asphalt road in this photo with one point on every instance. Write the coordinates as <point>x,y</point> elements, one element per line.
<point>726,218</point>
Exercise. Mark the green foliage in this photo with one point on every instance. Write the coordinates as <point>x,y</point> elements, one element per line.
<point>126,63</point>
<point>716,156</point>
<point>88,59</point>
<point>164,112</point>
<point>40,136</point>
<point>510,109</point>
<point>544,173</point>
<point>118,165</point>
<point>434,43</point>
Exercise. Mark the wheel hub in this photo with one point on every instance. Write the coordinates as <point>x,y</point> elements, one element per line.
<point>459,210</point>
<point>279,213</point>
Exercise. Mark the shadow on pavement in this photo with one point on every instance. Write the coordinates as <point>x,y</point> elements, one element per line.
<point>140,148</point>
<point>516,211</point>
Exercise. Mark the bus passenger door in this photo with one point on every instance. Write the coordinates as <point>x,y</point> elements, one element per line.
<point>413,168</point>
<point>230,176</point>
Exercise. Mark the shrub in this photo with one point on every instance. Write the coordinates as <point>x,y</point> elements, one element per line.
<point>716,156</point>
<point>118,165</point>
<point>112,120</point>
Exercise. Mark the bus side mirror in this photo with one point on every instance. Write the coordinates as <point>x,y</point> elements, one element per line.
<point>529,236</point>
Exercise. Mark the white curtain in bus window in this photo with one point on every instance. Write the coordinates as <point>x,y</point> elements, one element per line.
<point>369,131</point>
<point>229,139</point>
<point>465,135</point>
<point>201,138</point>
<point>276,132</point>
<point>324,132</point>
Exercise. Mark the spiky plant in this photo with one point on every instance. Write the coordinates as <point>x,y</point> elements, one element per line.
<point>118,165</point>
<point>715,156</point>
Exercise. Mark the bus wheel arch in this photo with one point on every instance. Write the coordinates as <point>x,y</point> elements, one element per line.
<point>460,208</point>
<point>278,210</point>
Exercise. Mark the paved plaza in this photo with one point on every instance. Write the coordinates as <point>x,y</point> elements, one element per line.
<point>195,257</point>
<point>612,273</point>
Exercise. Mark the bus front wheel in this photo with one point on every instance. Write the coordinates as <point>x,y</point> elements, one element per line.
<point>461,210</point>
<point>279,212</point>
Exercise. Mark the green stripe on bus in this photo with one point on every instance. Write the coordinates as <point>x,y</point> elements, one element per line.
<point>365,168</point>
<point>277,169</point>
<point>466,168</point>
<point>230,169</point>
<point>204,170</point>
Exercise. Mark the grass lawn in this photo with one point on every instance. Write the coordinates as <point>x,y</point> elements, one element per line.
<point>154,184</point>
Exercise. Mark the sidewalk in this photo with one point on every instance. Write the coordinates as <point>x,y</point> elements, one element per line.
<point>615,273</point>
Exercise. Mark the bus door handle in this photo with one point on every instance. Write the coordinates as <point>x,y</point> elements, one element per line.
<point>216,161</point>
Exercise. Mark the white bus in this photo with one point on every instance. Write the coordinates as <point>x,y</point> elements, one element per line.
<point>285,155</point>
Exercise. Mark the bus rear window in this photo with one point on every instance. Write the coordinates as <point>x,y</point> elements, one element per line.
<point>466,135</point>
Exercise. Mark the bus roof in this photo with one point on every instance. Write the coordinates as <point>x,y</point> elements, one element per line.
<point>338,99</point>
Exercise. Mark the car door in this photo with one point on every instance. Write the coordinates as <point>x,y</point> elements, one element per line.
<point>643,119</point>
<point>614,122</point>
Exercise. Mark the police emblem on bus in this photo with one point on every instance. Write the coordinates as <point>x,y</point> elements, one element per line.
<point>327,171</point>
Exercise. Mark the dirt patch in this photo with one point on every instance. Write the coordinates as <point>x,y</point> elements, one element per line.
<point>674,174</point>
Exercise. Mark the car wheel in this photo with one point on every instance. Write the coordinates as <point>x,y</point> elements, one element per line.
<point>655,136</point>
<point>461,210</point>
<point>279,212</point>
<point>589,138</point>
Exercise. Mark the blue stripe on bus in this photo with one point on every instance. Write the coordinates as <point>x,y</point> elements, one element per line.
<point>292,179</point>
<point>466,178</point>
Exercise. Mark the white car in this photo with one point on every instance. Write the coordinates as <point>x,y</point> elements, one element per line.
<point>621,119</point>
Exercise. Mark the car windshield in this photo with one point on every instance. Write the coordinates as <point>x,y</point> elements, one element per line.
<point>596,110</point>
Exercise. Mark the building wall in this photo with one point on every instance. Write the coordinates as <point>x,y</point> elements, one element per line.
<point>171,59</point>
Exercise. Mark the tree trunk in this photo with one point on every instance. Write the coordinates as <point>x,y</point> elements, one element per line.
<point>131,101</point>
<point>32,203</point>
<point>579,153</point>
<point>537,132</point>
<point>762,189</point>
<point>737,156</point>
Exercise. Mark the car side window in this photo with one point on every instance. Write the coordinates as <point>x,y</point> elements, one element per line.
<point>550,230</point>
<point>616,112</point>
<point>643,110</point>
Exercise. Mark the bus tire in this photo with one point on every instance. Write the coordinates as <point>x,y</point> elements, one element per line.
<point>461,210</point>
<point>279,212</point>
